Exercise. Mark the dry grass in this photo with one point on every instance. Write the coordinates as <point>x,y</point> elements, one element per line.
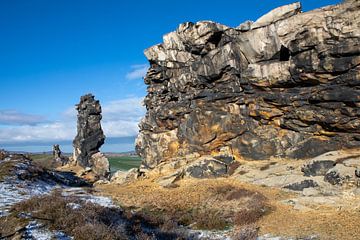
<point>90,221</point>
<point>203,204</point>
<point>6,169</point>
<point>232,199</point>
<point>87,221</point>
<point>10,225</point>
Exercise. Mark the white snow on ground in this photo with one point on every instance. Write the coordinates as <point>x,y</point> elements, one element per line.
<point>211,235</point>
<point>35,230</point>
<point>82,194</point>
<point>15,191</point>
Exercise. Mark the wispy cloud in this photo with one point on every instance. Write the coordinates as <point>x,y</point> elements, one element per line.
<point>120,119</point>
<point>13,117</point>
<point>137,72</point>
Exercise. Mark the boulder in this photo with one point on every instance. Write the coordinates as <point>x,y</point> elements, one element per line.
<point>206,168</point>
<point>100,165</point>
<point>121,177</point>
<point>169,181</point>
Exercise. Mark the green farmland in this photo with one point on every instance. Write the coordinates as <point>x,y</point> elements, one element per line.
<point>124,163</point>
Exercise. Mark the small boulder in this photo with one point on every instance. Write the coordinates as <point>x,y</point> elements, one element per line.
<point>340,174</point>
<point>169,180</point>
<point>121,177</point>
<point>207,168</point>
<point>100,165</point>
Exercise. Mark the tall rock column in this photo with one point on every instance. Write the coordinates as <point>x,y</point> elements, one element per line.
<point>90,136</point>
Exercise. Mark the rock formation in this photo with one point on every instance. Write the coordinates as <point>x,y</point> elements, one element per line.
<point>90,136</point>
<point>286,85</point>
<point>57,156</point>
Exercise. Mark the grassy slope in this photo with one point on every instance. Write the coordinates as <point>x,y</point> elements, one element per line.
<point>124,163</point>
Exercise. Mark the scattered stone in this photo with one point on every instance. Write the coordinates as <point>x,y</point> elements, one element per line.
<point>300,186</point>
<point>317,168</point>
<point>340,174</point>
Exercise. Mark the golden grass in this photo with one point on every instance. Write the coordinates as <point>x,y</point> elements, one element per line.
<point>282,220</point>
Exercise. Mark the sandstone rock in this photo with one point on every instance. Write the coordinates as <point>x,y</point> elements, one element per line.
<point>284,86</point>
<point>3,154</point>
<point>300,186</point>
<point>89,136</point>
<point>170,180</point>
<point>309,192</point>
<point>245,26</point>
<point>340,174</point>
<point>317,167</point>
<point>121,177</point>
<point>58,158</point>
<point>206,168</point>
<point>101,182</point>
<point>277,14</point>
<point>100,165</point>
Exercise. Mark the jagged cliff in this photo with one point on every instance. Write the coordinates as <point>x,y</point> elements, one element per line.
<point>286,85</point>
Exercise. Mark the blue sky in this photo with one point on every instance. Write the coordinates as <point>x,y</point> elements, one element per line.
<point>52,52</point>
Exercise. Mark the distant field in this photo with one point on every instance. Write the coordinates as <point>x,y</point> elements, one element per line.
<point>44,160</point>
<point>116,163</point>
<point>124,163</point>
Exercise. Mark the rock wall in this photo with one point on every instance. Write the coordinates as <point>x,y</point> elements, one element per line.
<point>90,136</point>
<point>286,85</point>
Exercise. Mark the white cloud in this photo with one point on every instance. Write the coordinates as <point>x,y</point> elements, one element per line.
<point>41,132</point>
<point>13,117</point>
<point>137,72</point>
<point>120,119</point>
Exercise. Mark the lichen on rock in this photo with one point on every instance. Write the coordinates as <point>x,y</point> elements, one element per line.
<point>286,85</point>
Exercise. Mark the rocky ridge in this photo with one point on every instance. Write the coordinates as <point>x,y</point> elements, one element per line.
<point>286,85</point>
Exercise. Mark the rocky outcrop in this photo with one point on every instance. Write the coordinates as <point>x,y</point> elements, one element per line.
<point>90,137</point>
<point>286,85</point>
<point>58,158</point>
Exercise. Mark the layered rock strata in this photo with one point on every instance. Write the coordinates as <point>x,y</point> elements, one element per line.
<point>90,136</point>
<point>286,85</point>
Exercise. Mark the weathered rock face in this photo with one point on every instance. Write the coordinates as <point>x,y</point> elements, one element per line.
<point>287,85</point>
<point>90,135</point>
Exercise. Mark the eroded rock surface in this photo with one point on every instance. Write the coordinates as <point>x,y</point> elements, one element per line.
<point>287,85</point>
<point>90,137</point>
